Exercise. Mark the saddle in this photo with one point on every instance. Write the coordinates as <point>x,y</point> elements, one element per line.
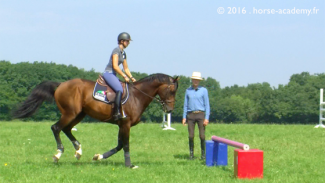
<point>110,94</point>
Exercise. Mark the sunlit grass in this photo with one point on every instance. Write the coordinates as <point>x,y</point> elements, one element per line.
<point>292,153</point>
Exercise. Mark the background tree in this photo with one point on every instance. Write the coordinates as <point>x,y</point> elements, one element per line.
<point>295,102</point>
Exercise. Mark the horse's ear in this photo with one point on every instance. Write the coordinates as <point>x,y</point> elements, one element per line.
<point>176,79</point>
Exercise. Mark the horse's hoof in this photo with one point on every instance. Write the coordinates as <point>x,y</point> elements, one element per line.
<point>78,153</point>
<point>134,167</point>
<point>55,159</point>
<point>97,157</point>
<point>78,156</point>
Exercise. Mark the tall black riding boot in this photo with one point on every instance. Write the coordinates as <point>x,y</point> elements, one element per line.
<point>191,145</point>
<point>202,149</point>
<point>117,106</point>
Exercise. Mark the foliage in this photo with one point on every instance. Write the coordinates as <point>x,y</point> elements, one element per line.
<point>296,102</point>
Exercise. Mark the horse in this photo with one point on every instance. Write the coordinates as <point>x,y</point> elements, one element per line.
<point>74,99</point>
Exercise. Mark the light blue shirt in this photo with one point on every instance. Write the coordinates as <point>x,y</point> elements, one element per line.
<point>196,100</point>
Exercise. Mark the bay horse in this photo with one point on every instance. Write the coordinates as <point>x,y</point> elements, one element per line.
<point>74,99</point>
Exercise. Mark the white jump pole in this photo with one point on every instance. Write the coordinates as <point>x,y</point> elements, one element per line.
<point>167,127</point>
<point>321,109</point>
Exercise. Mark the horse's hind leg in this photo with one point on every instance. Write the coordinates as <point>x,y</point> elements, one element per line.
<point>60,149</point>
<point>56,129</point>
<point>75,142</point>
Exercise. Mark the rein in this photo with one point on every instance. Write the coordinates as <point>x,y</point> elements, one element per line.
<point>156,98</point>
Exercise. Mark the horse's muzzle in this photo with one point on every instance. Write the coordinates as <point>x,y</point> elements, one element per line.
<point>168,109</point>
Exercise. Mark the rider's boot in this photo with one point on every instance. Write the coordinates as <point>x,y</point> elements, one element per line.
<point>117,106</point>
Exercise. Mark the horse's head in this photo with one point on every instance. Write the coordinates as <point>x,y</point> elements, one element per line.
<point>167,92</point>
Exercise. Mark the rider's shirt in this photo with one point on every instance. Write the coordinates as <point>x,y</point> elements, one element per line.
<point>121,57</point>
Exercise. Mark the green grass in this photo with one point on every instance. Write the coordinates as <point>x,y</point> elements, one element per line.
<point>292,153</point>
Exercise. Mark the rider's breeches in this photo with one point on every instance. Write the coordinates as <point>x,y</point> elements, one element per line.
<point>113,81</point>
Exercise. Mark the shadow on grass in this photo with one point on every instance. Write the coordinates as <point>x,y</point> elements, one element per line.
<point>220,167</point>
<point>182,156</point>
<point>225,168</point>
<point>181,159</point>
<point>187,158</point>
<point>106,163</point>
<point>202,162</point>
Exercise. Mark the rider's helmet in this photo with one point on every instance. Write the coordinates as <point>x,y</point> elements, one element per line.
<point>124,36</point>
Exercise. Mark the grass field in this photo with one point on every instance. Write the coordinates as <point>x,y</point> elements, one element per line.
<point>292,153</point>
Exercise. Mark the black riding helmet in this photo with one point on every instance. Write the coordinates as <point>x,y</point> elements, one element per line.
<point>124,36</point>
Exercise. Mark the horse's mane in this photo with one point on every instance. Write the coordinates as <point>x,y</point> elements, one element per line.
<point>161,78</point>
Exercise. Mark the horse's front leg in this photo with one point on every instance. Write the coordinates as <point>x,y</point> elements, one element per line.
<point>124,135</point>
<point>123,142</point>
<point>110,152</point>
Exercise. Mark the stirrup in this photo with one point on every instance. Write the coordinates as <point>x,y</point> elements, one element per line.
<point>117,117</point>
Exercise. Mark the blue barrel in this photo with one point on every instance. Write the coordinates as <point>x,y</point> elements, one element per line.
<point>209,146</point>
<point>220,157</point>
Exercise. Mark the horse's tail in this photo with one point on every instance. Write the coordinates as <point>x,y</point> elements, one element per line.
<point>42,92</point>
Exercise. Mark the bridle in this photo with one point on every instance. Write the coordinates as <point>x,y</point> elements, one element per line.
<point>162,102</point>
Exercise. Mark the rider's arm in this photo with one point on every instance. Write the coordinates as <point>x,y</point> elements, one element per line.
<point>126,69</point>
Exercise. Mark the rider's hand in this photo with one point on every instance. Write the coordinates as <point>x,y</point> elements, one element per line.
<point>133,79</point>
<point>126,79</point>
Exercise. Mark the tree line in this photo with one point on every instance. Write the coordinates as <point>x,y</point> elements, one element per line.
<point>294,103</point>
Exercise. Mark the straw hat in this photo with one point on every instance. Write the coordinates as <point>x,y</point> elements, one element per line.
<point>196,75</point>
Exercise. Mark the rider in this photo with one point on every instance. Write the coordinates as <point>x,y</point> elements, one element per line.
<point>118,57</point>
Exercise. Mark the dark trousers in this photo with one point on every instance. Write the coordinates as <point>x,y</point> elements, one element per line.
<point>193,118</point>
